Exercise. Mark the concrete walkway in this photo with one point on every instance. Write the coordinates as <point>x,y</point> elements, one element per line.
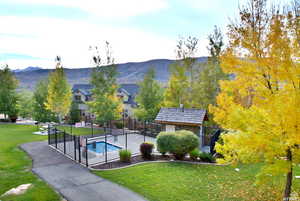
<point>72,180</point>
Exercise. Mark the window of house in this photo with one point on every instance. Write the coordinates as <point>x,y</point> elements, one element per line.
<point>77,98</point>
<point>125,98</point>
<point>170,128</point>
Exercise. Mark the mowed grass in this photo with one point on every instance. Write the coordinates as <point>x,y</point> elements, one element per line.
<point>80,131</point>
<point>187,182</point>
<point>15,165</point>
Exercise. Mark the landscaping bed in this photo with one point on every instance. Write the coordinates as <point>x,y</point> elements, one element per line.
<point>140,159</point>
<point>181,146</point>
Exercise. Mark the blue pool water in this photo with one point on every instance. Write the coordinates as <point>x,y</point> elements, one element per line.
<point>100,147</point>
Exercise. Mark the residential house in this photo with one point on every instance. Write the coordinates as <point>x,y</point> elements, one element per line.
<point>128,93</point>
<point>82,94</point>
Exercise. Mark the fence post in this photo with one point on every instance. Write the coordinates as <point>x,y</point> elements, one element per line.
<point>123,121</point>
<point>55,138</point>
<point>79,148</point>
<point>126,141</point>
<point>64,142</point>
<point>48,134</point>
<point>110,127</point>
<point>145,131</point>
<point>92,129</point>
<point>105,147</point>
<point>71,129</point>
<point>86,153</point>
<point>134,124</point>
<point>74,138</point>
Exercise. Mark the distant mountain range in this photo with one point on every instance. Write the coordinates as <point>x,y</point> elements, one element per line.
<point>29,68</point>
<point>131,72</point>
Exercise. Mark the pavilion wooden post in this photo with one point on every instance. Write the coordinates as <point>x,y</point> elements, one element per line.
<point>201,137</point>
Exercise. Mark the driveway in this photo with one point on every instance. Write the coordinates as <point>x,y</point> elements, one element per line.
<point>72,180</point>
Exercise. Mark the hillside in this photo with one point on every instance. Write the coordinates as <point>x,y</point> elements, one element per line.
<point>132,72</point>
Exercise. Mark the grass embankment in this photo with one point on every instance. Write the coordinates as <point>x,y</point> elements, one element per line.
<point>15,165</point>
<point>178,182</point>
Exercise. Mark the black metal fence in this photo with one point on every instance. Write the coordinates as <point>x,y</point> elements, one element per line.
<point>101,145</point>
<point>68,144</point>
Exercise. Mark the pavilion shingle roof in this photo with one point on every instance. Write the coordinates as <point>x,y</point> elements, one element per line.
<point>184,116</point>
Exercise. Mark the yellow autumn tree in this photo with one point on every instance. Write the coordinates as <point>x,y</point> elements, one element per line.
<point>260,106</point>
<point>59,96</point>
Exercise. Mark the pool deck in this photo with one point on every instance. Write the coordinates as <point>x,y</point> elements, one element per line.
<point>72,180</point>
<point>133,144</point>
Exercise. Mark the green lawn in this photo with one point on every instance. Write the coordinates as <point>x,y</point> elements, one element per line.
<point>15,165</point>
<point>155,181</point>
<point>186,182</point>
<point>79,131</point>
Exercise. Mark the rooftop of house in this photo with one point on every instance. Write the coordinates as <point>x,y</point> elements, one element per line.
<point>85,89</point>
<point>131,89</point>
<point>181,116</point>
<point>82,86</point>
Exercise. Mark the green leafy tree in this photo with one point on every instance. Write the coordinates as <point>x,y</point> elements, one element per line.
<point>8,95</point>
<point>149,98</point>
<point>59,92</point>
<point>208,81</point>
<point>25,104</point>
<point>181,86</point>
<point>40,112</point>
<point>186,50</point>
<point>105,104</point>
<point>176,92</point>
<point>74,115</point>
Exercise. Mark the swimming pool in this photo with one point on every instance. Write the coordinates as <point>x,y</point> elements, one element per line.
<point>99,147</point>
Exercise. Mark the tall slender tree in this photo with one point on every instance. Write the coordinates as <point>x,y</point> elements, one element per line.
<point>40,112</point>
<point>105,104</point>
<point>25,104</point>
<point>59,95</point>
<point>260,107</point>
<point>181,86</point>
<point>207,86</point>
<point>177,89</point>
<point>149,98</point>
<point>74,114</point>
<point>8,95</point>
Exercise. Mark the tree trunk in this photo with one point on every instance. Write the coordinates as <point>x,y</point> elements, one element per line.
<point>59,118</point>
<point>289,177</point>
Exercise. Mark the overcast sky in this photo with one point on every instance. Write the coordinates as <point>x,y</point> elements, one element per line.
<point>33,32</point>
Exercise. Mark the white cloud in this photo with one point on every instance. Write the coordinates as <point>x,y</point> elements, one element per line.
<point>106,8</point>
<point>221,8</point>
<point>71,39</point>
<point>45,38</point>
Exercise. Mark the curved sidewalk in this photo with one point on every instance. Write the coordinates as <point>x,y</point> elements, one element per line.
<point>72,180</point>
